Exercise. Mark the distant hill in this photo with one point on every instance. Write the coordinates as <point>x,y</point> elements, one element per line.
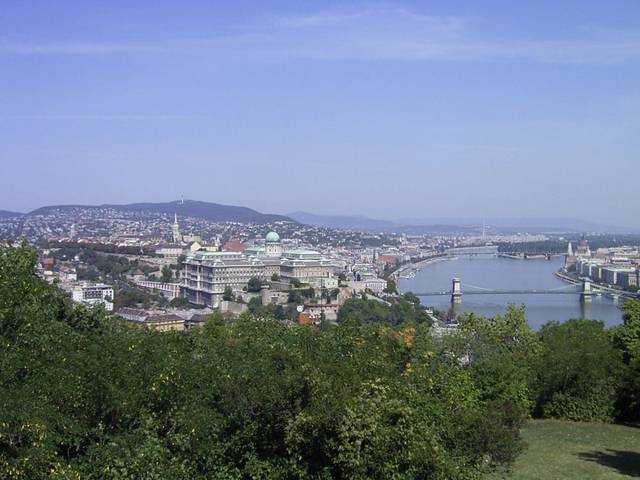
<point>455,225</point>
<point>8,214</point>
<point>189,208</point>
<point>531,225</point>
<point>342,221</point>
<point>359,222</point>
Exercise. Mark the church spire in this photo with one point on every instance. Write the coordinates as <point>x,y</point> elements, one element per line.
<point>175,229</point>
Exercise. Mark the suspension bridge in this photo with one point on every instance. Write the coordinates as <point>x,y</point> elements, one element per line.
<point>583,289</point>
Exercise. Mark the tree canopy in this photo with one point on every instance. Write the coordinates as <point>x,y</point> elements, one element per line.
<point>87,396</point>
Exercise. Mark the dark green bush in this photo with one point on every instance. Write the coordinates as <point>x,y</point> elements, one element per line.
<point>578,373</point>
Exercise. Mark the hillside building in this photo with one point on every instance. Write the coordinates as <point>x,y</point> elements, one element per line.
<point>97,294</point>
<point>207,274</point>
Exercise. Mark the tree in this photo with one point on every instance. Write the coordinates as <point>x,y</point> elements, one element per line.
<point>254,284</point>
<point>84,395</point>
<point>500,352</point>
<point>227,295</point>
<point>391,287</point>
<point>167,274</point>
<point>578,373</point>
<point>411,297</point>
<point>626,338</point>
<point>294,297</point>
<point>373,311</point>
<point>179,302</point>
<point>275,277</point>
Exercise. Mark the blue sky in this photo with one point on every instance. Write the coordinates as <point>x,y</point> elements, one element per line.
<point>394,109</point>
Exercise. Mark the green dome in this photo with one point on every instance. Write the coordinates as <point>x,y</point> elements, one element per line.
<point>272,237</point>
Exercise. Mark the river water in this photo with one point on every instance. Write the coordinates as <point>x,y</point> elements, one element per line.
<point>497,273</point>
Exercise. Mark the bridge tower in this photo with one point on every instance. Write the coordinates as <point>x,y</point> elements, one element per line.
<point>456,292</point>
<point>586,294</point>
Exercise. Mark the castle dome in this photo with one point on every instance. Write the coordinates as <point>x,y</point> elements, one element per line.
<point>272,237</point>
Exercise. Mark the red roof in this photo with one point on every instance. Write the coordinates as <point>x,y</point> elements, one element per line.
<point>388,260</point>
<point>234,247</point>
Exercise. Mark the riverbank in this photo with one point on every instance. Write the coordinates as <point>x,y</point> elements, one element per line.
<point>600,287</point>
<point>419,264</point>
<point>525,256</point>
<point>563,276</point>
<point>483,273</point>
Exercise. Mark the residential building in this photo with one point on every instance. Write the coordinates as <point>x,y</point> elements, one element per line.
<point>97,294</point>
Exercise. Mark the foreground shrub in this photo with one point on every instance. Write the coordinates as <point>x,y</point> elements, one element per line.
<point>86,396</point>
<point>578,372</point>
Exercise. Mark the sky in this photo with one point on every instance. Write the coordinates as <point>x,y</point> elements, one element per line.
<point>416,109</point>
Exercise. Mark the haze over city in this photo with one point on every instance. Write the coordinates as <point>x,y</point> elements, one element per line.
<point>385,109</point>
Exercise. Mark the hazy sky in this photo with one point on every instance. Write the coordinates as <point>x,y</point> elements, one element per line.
<point>394,109</point>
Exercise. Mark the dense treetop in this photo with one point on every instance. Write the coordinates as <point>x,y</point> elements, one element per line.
<point>84,395</point>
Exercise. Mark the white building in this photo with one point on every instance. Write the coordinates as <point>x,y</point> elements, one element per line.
<point>98,294</point>
<point>169,290</point>
<point>207,274</point>
<point>376,285</point>
<point>169,251</point>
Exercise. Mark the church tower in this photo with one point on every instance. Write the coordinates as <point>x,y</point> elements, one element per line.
<point>175,229</point>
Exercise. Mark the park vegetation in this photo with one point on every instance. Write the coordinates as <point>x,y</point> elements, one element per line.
<point>86,396</point>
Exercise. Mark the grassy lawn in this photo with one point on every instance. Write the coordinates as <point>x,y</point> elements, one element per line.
<point>566,450</point>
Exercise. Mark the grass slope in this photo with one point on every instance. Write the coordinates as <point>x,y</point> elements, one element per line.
<point>566,450</point>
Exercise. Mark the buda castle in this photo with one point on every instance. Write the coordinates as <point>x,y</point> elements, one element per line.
<point>205,275</point>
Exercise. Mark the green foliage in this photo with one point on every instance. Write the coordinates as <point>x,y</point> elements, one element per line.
<point>129,296</point>
<point>179,302</point>
<point>85,396</point>
<point>578,371</point>
<point>391,286</point>
<point>271,311</point>
<point>536,247</point>
<point>627,338</point>
<point>227,295</point>
<point>294,296</point>
<point>411,297</point>
<point>501,352</point>
<point>167,274</point>
<point>373,311</point>
<point>254,284</point>
<point>628,395</point>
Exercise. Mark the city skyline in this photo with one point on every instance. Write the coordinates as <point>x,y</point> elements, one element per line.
<point>389,110</point>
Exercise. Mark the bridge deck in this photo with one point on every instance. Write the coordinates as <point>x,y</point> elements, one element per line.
<point>506,292</point>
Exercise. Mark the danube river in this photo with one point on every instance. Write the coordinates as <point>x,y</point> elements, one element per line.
<point>497,273</point>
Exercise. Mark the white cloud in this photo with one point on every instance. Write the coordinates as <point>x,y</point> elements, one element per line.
<point>376,33</point>
<point>399,34</point>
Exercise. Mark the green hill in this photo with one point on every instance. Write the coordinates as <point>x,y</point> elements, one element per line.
<point>187,208</point>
